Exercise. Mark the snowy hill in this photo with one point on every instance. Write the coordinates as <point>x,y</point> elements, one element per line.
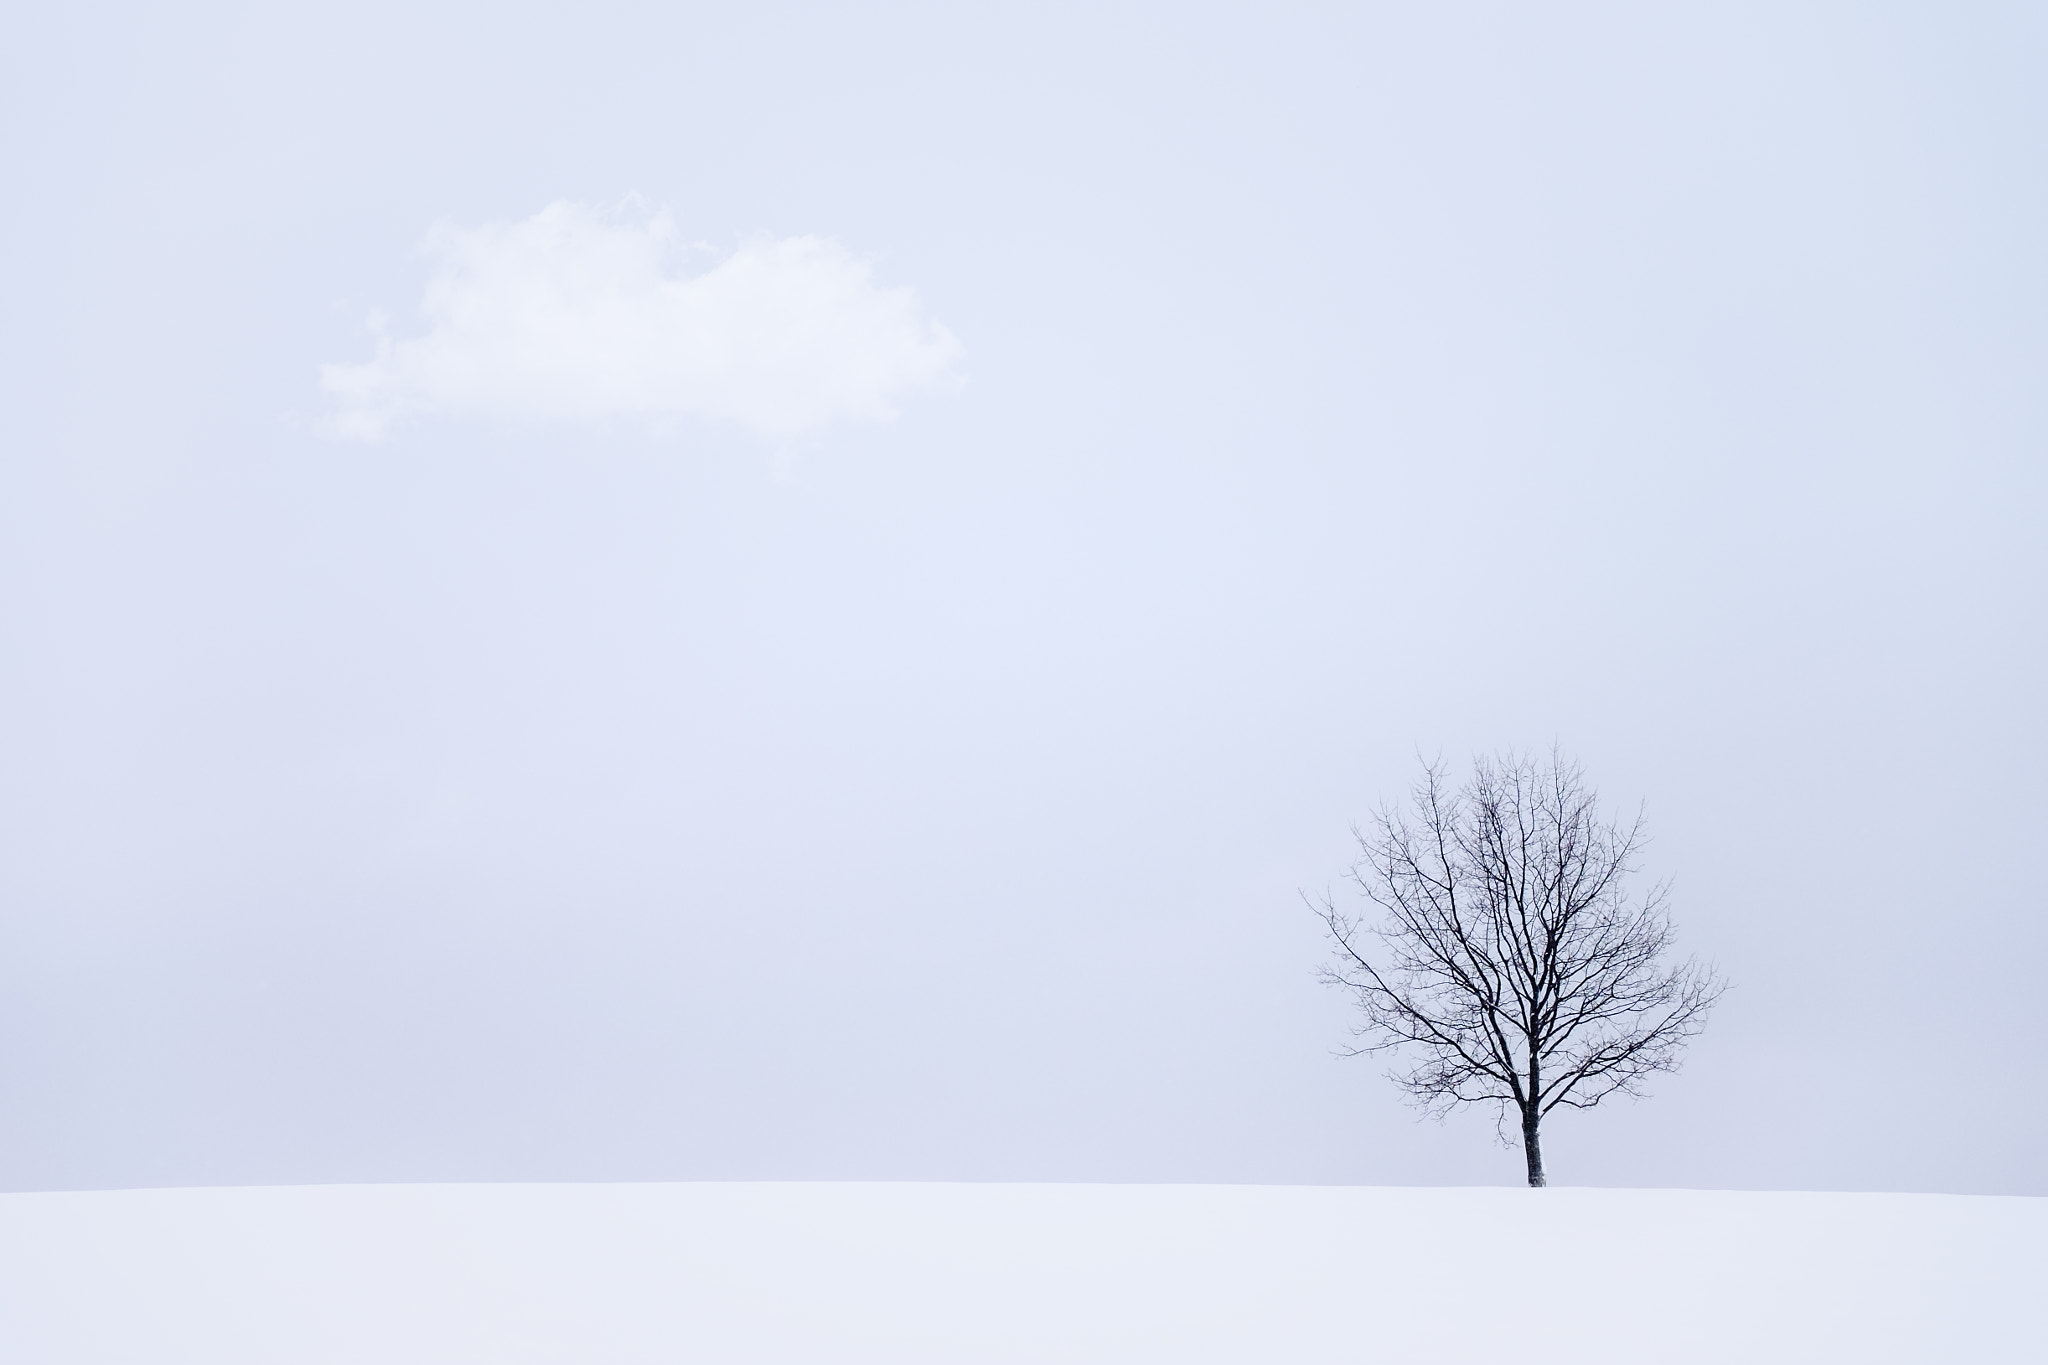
<point>597,1274</point>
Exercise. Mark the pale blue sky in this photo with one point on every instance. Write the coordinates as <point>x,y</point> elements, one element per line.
<point>635,795</point>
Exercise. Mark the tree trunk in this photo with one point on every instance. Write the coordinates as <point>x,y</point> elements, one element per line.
<point>1532,1148</point>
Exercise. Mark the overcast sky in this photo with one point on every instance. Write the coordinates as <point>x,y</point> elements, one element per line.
<point>762,592</point>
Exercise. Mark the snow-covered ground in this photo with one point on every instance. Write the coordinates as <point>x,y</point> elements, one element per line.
<point>595,1274</point>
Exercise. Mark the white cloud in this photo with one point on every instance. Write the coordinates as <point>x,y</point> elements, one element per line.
<point>581,313</point>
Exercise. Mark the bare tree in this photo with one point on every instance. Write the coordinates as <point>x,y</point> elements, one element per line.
<point>1514,966</point>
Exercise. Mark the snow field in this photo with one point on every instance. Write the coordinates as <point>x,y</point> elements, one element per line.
<point>913,1273</point>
